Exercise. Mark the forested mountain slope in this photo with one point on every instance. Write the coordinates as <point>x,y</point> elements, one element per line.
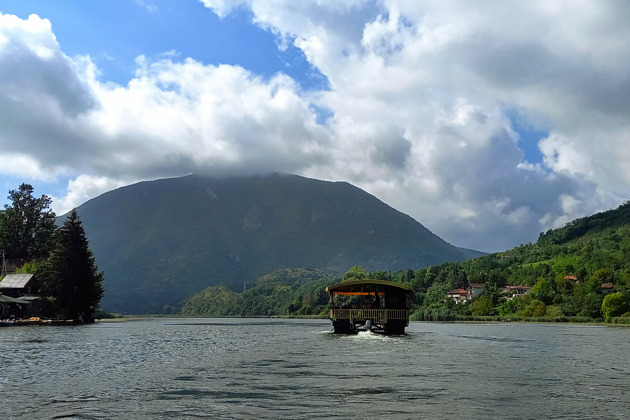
<point>161,241</point>
<point>570,271</point>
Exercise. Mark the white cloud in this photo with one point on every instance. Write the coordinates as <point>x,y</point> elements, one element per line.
<point>81,189</point>
<point>441,75</point>
<point>173,118</point>
<point>419,93</point>
<point>14,164</point>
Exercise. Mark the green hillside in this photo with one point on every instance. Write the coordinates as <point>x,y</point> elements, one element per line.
<point>161,241</point>
<point>566,269</point>
<point>283,292</point>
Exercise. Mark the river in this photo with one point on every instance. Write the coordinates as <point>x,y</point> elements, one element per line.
<point>296,369</point>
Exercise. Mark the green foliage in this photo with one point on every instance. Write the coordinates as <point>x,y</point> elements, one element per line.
<point>482,306</point>
<point>596,250</point>
<point>355,273</point>
<point>588,225</point>
<point>543,291</point>
<point>434,314</point>
<point>28,268</point>
<point>214,301</point>
<point>614,305</point>
<point>436,294</point>
<point>284,292</point>
<point>535,308</point>
<point>511,306</point>
<point>70,278</point>
<point>27,225</point>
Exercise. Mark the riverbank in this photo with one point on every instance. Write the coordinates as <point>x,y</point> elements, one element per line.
<point>619,321</point>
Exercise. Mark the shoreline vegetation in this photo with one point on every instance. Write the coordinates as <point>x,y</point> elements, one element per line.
<point>414,317</point>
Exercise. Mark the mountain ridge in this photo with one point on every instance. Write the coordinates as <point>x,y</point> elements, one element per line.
<point>161,241</point>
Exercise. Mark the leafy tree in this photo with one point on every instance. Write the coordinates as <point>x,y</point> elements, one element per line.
<point>408,276</point>
<point>482,306</point>
<point>70,276</point>
<point>436,294</point>
<point>27,225</point>
<point>458,278</point>
<point>357,272</point>
<point>543,291</point>
<point>512,306</point>
<point>535,308</point>
<point>590,304</point>
<point>615,304</point>
<point>28,268</point>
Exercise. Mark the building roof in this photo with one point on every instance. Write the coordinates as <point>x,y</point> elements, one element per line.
<point>457,292</point>
<point>366,287</point>
<point>520,286</point>
<point>15,281</point>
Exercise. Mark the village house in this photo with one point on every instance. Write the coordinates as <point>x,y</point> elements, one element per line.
<point>572,279</point>
<point>465,295</point>
<point>458,296</point>
<point>516,291</point>
<point>475,289</point>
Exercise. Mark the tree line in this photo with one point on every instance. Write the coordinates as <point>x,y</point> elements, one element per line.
<point>60,257</point>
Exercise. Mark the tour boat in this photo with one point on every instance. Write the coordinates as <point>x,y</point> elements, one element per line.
<point>375,305</point>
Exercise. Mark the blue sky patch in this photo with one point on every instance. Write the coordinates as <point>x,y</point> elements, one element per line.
<point>115,32</point>
<point>529,136</point>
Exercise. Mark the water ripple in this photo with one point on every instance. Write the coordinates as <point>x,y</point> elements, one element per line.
<point>240,369</point>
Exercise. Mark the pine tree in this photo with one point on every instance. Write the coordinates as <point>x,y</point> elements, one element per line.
<point>71,279</point>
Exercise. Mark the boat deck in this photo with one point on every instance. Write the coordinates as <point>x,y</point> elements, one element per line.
<point>378,316</point>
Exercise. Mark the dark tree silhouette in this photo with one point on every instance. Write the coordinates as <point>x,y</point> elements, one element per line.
<point>27,225</point>
<point>71,279</point>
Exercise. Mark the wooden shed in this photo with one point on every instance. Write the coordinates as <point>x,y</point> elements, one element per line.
<point>20,294</point>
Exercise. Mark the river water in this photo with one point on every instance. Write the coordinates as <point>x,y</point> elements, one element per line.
<point>297,369</point>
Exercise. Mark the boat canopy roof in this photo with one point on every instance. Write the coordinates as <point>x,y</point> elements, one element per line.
<point>367,287</point>
<point>8,299</point>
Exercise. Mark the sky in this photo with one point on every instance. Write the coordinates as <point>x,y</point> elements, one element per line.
<point>486,121</point>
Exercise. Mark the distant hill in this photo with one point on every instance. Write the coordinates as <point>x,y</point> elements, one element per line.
<point>161,241</point>
<point>571,270</point>
<point>293,291</point>
<point>587,225</point>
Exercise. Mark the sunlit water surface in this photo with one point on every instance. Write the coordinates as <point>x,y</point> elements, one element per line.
<point>298,369</point>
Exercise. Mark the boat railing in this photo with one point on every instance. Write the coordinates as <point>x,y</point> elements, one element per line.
<point>378,316</point>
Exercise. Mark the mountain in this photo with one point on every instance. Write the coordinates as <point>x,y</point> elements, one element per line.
<point>161,241</point>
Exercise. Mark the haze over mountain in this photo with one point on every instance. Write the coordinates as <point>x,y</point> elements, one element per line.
<point>161,241</point>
